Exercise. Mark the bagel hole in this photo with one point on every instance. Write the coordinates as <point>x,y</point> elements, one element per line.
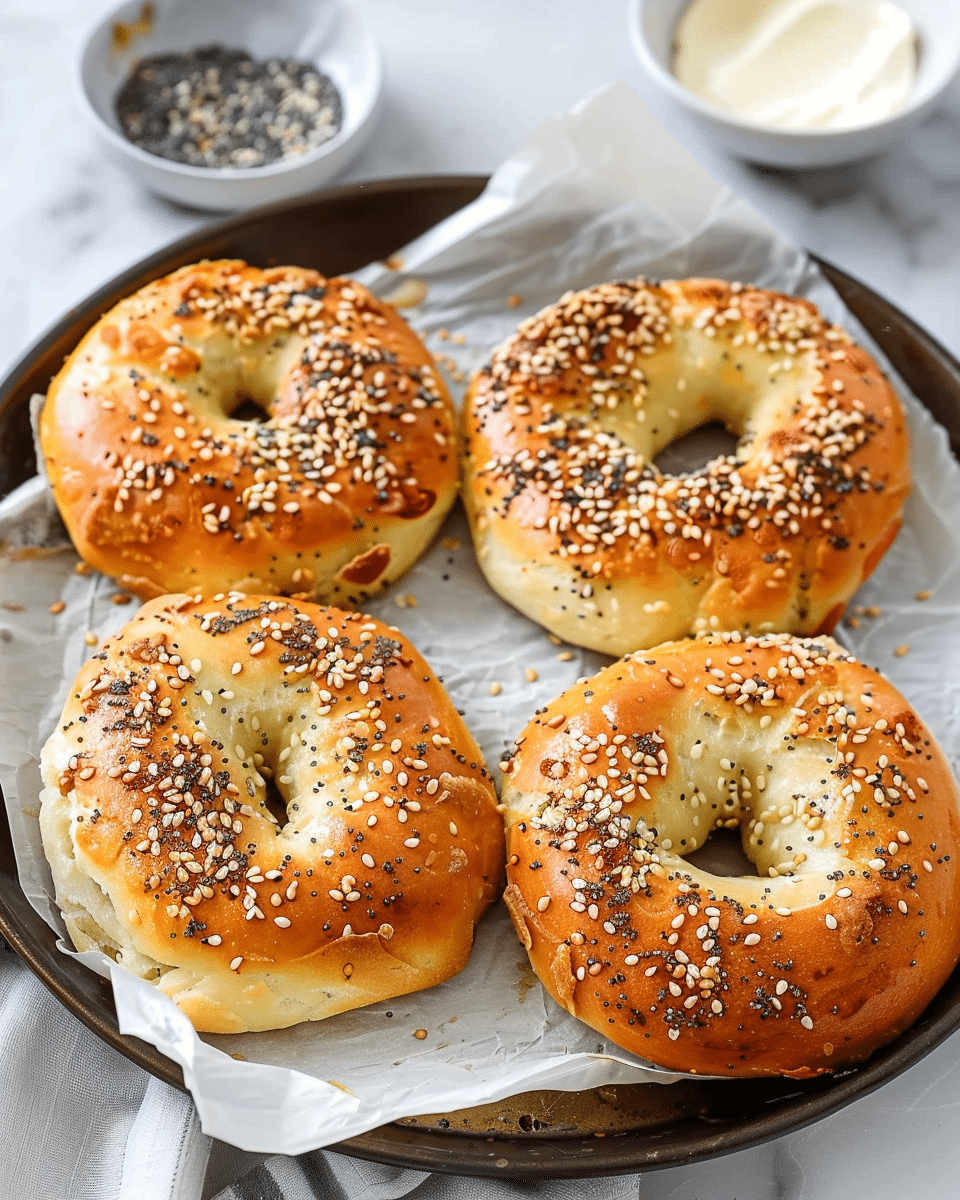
<point>692,451</point>
<point>275,803</point>
<point>247,409</point>
<point>723,854</point>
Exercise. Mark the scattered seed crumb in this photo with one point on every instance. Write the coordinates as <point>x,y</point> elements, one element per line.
<point>443,334</point>
<point>406,600</point>
<point>872,610</point>
<point>57,606</point>
<point>419,1034</point>
<point>554,640</point>
<point>409,294</point>
<point>121,598</point>
<point>239,1057</point>
<point>532,674</point>
<point>852,622</point>
<point>514,300</point>
<point>495,689</point>
<point>90,638</point>
<point>82,568</point>
<point>924,595</point>
<point>450,543</point>
<point>902,650</point>
<point>565,656</point>
<point>394,262</point>
<point>459,339</point>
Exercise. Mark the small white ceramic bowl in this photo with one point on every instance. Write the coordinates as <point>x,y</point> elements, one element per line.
<point>652,24</point>
<point>328,33</point>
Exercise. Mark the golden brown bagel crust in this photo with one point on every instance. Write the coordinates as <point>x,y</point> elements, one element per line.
<point>156,823</point>
<point>576,526</point>
<point>331,496</point>
<point>845,805</point>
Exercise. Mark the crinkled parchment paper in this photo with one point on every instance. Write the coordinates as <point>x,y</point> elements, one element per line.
<point>601,193</point>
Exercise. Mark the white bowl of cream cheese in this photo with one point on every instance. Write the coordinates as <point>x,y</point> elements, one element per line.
<point>797,83</point>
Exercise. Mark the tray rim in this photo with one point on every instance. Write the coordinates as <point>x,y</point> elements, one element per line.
<point>453,1152</point>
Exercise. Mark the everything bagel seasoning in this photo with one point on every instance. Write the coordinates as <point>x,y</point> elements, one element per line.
<point>216,107</point>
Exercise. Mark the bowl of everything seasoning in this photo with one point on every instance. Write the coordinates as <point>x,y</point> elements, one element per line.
<point>227,105</point>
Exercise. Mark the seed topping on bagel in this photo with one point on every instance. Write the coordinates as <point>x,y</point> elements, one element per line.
<point>333,486</point>
<point>844,805</point>
<point>564,422</point>
<point>169,846</point>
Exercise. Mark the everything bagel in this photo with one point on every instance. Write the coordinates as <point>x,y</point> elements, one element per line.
<point>160,829</point>
<point>843,802</point>
<point>227,427</point>
<point>574,524</point>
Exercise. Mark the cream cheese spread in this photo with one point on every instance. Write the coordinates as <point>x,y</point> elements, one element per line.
<point>798,64</point>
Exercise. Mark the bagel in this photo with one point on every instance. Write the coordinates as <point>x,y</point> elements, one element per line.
<point>157,816</point>
<point>576,526</point>
<point>844,804</point>
<point>329,481</point>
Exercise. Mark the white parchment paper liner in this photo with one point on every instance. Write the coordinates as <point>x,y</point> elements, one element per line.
<point>601,193</point>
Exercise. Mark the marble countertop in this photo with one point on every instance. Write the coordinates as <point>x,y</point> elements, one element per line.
<point>465,84</point>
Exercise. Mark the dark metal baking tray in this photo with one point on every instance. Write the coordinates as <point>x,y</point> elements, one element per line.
<point>607,1131</point>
